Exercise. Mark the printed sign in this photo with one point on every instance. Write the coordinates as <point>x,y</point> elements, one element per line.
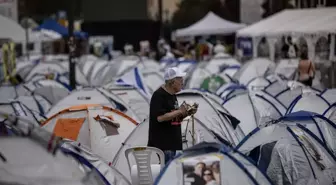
<point>245,44</point>
<point>202,170</point>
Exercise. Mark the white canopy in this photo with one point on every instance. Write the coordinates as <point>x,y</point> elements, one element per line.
<point>211,24</point>
<point>9,29</point>
<point>303,21</point>
<point>43,35</point>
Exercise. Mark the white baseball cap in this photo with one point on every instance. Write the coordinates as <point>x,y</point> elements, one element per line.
<point>173,72</point>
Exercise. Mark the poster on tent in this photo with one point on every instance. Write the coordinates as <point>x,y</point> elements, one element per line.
<point>201,170</point>
<point>8,8</point>
<point>245,45</point>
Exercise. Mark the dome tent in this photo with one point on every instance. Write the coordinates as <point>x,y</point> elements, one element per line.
<point>139,137</point>
<point>321,126</point>
<point>41,151</point>
<point>102,129</point>
<point>290,154</point>
<point>228,167</point>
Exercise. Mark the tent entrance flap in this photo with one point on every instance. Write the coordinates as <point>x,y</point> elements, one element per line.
<point>68,127</point>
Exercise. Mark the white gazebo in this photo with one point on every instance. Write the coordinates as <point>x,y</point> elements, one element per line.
<point>308,25</point>
<point>211,24</point>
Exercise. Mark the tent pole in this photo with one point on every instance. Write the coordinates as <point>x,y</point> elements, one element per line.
<point>71,44</point>
<point>193,130</point>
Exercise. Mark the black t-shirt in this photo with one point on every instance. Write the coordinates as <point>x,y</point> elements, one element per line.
<point>163,135</point>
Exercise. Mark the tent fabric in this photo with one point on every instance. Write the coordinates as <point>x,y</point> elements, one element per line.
<point>228,167</point>
<point>53,25</point>
<point>46,68</point>
<point>43,35</point>
<point>20,110</point>
<point>139,137</point>
<point>254,68</point>
<point>303,21</point>
<point>321,126</point>
<point>290,155</point>
<point>113,176</point>
<point>227,88</point>
<point>257,110</point>
<point>9,92</point>
<point>211,24</point>
<point>210,116</point>
<point>134,78</point>
<point>132,97</point>
<point>153,80</point>
<point>36,103</point>
<point>92,96</point>
<point>52,94</point>
<point>11,30</point>
<point>308,102</point>
<point>101,136</point>
<point>329,95</point>
<point>286,95</point>
<point>42,152</point>
<point>43,166</point>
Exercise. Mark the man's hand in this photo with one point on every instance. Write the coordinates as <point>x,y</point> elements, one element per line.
<point>183,109</point>
<point>193,109</point>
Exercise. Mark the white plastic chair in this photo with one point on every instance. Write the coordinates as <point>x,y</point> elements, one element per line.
<point>144,173</point>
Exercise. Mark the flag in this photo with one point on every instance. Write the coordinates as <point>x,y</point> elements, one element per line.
<point>134,78</point>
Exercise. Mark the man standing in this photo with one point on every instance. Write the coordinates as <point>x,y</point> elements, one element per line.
<point>166,115</point>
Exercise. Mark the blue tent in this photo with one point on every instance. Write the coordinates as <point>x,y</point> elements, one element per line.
<point>53,25</point>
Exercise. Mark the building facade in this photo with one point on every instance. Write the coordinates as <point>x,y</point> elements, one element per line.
<point>168,8</point>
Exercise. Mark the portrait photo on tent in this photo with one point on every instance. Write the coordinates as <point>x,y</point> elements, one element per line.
<point>201,170</point>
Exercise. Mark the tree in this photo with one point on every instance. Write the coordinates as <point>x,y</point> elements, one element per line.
<point>190,11</point>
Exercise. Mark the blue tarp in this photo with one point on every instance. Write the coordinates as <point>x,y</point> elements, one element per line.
<point>53,25</point>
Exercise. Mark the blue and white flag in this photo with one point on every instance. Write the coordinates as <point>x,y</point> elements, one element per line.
<point>134,78</point>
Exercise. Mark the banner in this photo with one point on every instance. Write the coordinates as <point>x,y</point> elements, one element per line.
<point>9,8</point>
<point>245,45</point>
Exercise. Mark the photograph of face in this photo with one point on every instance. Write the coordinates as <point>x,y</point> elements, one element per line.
<point>201,170</point>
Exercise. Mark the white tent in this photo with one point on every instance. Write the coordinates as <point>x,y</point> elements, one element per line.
<point>211,24</point>
<point>312,24</point>
<point>303,21</point>
<point>139,137</point>
<point>11,30</point>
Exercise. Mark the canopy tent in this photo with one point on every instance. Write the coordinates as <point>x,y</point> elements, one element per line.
<point>11,30</point>
<point>43,35</point>
<point>211,24</point>
<point>53,25</point>
<point>303,21</point>
<point>312,24</point>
